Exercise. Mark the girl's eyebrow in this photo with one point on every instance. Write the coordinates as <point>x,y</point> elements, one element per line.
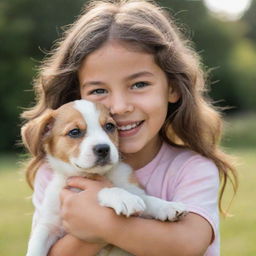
<point>130,77</point>
<point>92,83</point>
<point>136,75</point>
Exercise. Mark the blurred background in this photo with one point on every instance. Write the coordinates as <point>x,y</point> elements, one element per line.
<point>224,34</point>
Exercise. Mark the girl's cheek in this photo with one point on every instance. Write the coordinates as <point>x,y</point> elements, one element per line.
<point>99,99</point>
<point>85,95</point>
<point>88,97</point>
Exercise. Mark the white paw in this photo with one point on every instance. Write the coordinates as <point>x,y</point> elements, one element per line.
<point>170,211</point>
<point>121,201</point>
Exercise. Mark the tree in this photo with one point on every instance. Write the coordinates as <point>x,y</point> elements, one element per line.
<point>249,19</point>
<point>28,28</point>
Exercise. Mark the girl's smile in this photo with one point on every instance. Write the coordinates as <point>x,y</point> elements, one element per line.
<point>128,128</point>
<point>136,91</point>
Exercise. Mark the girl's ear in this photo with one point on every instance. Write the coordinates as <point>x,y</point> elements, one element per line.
<point>174,96</point>
<point>35,131</point>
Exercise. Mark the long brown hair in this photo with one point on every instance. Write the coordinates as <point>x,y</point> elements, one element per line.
<point>192,122</point>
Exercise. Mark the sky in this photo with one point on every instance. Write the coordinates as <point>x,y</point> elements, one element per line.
<point>229,9</point>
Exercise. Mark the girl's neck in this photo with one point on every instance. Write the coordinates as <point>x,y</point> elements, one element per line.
<point>143,157</point>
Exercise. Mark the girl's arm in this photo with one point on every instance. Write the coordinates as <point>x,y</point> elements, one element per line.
<point>91,222</point>
<point>190,236</point>
<point>70,245</point>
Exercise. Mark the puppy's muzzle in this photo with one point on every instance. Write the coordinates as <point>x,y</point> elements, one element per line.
<point>102,152</point>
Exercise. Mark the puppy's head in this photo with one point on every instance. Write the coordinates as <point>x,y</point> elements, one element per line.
<point>78,138</point>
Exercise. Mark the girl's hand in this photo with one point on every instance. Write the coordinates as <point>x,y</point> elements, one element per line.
<point>82,215</point>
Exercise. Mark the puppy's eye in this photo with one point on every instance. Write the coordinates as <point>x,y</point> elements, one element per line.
<point>109,127</point>
<point>75,133</point>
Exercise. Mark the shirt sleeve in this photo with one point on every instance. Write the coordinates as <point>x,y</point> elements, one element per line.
<point>42,179</point>
<point>197,186</point>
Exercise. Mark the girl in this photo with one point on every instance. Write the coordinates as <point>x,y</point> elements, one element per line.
<point>129,55</point>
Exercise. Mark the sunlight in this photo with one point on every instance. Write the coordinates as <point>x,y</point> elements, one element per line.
<point>229,9</point>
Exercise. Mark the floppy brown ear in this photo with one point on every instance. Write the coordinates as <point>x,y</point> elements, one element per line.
<point>36,130</point>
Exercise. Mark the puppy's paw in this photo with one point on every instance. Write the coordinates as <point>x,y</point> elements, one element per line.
<point>121,201</point>
<point>170,211</point>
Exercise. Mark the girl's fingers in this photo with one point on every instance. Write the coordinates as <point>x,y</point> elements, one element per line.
<point>79,182</point>
<point>65,193</point>
<point>75,185</point>
<point>84,183</point>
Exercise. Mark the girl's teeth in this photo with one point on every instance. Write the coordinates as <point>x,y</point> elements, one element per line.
<point>128,127</point>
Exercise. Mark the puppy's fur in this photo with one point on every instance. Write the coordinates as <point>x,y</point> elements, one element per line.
<point>80,139</point>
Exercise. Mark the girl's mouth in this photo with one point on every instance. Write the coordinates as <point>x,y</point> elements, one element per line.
<point>129,129</point>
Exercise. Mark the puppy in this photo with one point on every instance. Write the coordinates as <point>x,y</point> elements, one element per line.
<point>80,139</point>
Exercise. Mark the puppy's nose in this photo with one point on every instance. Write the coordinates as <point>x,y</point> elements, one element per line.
<point>101,150</point>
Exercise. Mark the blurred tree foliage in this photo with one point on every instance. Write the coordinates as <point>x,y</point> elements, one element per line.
<point>28,29</point>
<point>228,51</point>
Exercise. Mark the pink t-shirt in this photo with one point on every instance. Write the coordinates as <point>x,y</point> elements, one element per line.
<point>175,175</point>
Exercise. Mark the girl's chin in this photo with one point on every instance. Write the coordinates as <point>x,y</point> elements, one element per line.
<point>129,148</point>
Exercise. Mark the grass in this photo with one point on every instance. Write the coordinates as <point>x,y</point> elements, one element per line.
<point>240,131</point>
<point>237,233</point>
<point>16,209</point>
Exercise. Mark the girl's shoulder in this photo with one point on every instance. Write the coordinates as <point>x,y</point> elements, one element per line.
<point>183,159</point>
<point>174,166</point>
<point>176,159</point>
<point>183,165</point>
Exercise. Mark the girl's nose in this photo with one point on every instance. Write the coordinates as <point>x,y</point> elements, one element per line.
<point>120,104</point>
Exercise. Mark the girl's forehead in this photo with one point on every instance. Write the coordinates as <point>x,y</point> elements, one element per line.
<point>115,49</point>
<point>119,59</point>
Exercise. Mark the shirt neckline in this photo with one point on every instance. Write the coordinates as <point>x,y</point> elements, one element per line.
<point>149,167</point>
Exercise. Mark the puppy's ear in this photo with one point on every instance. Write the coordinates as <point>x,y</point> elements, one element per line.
<point>35,131</point>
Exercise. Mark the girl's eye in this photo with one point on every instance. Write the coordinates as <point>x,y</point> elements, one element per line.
<point>75,133</point>
<point>109,127</point>
<point>140,85</point>
<point>98,91</point>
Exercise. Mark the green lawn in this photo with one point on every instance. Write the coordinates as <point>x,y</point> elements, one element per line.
<point>16,209</point>
<point>238,233</point>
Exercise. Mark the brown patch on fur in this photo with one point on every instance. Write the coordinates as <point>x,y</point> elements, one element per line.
<point>48,133</point>
<point>34,132</point>
<point>106,118</point>
<point>59,144</point>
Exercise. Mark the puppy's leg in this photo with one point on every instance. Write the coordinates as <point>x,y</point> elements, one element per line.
<point>163,210</point>
<point>156,208</point>
<point>122,201</point>
<point>48,228</point>
<point>43,237</point>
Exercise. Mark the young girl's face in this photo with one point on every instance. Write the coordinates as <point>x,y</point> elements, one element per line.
<point>134,88</point>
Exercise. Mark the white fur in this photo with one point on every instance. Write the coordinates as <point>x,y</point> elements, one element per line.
<point>125,198</point>
<point>94,135</point>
